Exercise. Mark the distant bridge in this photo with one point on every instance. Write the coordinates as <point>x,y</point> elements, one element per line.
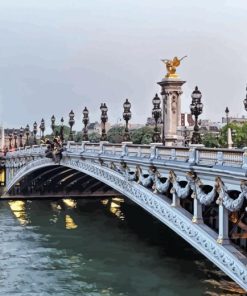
<point>199,193</point>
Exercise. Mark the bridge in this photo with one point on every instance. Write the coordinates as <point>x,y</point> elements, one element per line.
<point>198,193</point>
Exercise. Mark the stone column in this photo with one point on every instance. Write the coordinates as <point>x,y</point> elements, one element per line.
<point>171,90</point>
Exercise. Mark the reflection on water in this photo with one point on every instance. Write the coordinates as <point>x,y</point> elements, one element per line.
<point>19,210</point>
<point>70,202</point>
<point>69,223</point>
<point>114,205</point>
<point>112,248</point>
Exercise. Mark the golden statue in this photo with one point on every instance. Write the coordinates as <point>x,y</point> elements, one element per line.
<point>171,66</point>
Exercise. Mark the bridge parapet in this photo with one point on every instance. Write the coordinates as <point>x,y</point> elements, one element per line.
<point>210,157</point>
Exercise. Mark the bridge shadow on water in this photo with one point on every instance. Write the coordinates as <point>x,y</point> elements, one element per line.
<point>107,246</point>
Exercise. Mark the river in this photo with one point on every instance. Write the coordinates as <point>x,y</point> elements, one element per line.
<point>94,247</point>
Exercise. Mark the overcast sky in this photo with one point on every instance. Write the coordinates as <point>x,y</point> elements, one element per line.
<point>58,55</point>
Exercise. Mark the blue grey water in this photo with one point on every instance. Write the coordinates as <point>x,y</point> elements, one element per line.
<point>91,247</point>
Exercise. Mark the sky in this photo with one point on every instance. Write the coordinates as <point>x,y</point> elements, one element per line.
<point>58,55</point>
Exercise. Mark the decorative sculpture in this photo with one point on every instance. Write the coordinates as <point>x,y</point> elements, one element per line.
<point>224,198</point>
<point>145,179</point>
<point>171,66</point>
<point>161,184</point>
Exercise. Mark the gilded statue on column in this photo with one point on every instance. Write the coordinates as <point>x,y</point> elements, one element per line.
<point>171,66</point>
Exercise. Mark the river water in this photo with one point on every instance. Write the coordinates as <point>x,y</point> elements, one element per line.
<point>98,247</point>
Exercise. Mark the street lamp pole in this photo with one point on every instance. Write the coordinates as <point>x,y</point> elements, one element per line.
<point>229,131</point>
<point>126,117</point>
<point>35,129</point>
<point>10,141</point>
<point>15,139</point>
<point>21,135</point>
<point>61,130</point>
<point>71,123</point>
<point>42,128</point>
<point>27,132</point>
<point>156,113</point>
<point>53,119</point>
<point>186,133</point>
<point>85,121</point>
<point>196,107</point>
<point>104,119</point>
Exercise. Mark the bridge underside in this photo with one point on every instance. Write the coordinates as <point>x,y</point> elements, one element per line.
<point>57,181</point>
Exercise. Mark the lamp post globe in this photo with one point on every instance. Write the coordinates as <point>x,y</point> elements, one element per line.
<point>126,117</point>
<point>196,108</point>
<point>85,121</point>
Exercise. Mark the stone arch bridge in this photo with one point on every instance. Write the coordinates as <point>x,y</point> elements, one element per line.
<point>199,193</point>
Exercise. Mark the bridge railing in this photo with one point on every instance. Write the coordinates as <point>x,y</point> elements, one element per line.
<point>226,157</point>
<point>23,151</point>
<point>115,149</point>
<point>92,148</point>
<point>170,153</point>
<point>194,155</point>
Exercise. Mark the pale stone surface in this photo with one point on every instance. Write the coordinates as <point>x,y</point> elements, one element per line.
<point>171,90</point>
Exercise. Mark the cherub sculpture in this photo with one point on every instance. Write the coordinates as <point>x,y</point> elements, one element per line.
<point>171,66</point>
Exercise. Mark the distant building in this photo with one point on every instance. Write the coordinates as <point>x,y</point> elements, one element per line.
<point>206,125</point>
<point>242,119</point>
<point>187,119</point>
<point>7,133</point>
<point>151,122</point>
<point>95,127</point>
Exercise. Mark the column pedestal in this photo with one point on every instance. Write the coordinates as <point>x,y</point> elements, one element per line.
<point>171,90</point>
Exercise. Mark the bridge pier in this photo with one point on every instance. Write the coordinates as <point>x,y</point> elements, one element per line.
<point>175,200</point>
<point>197,211</point>
<point>223,237</point>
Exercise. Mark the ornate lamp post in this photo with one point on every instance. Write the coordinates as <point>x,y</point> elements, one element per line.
<point>21,135</point>
<point>71,123</point>
<point>156,113</point>
<point>126,117</point>
<point>227,115</point>
<point>53,119</point>
<point>85,121</point>
<point>61,130</point>
<point>35,129</point>
<point>27,132</point>
<point>10,141</point>
<point>42,128</point>
<point>186,136</point>
<point>245,100</point>
<point>104,119</point>
<point>196,109</point>
<point>15,139</point>
<point>229,131</point>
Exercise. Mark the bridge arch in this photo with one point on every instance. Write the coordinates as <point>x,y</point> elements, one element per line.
<point>200,237</point>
